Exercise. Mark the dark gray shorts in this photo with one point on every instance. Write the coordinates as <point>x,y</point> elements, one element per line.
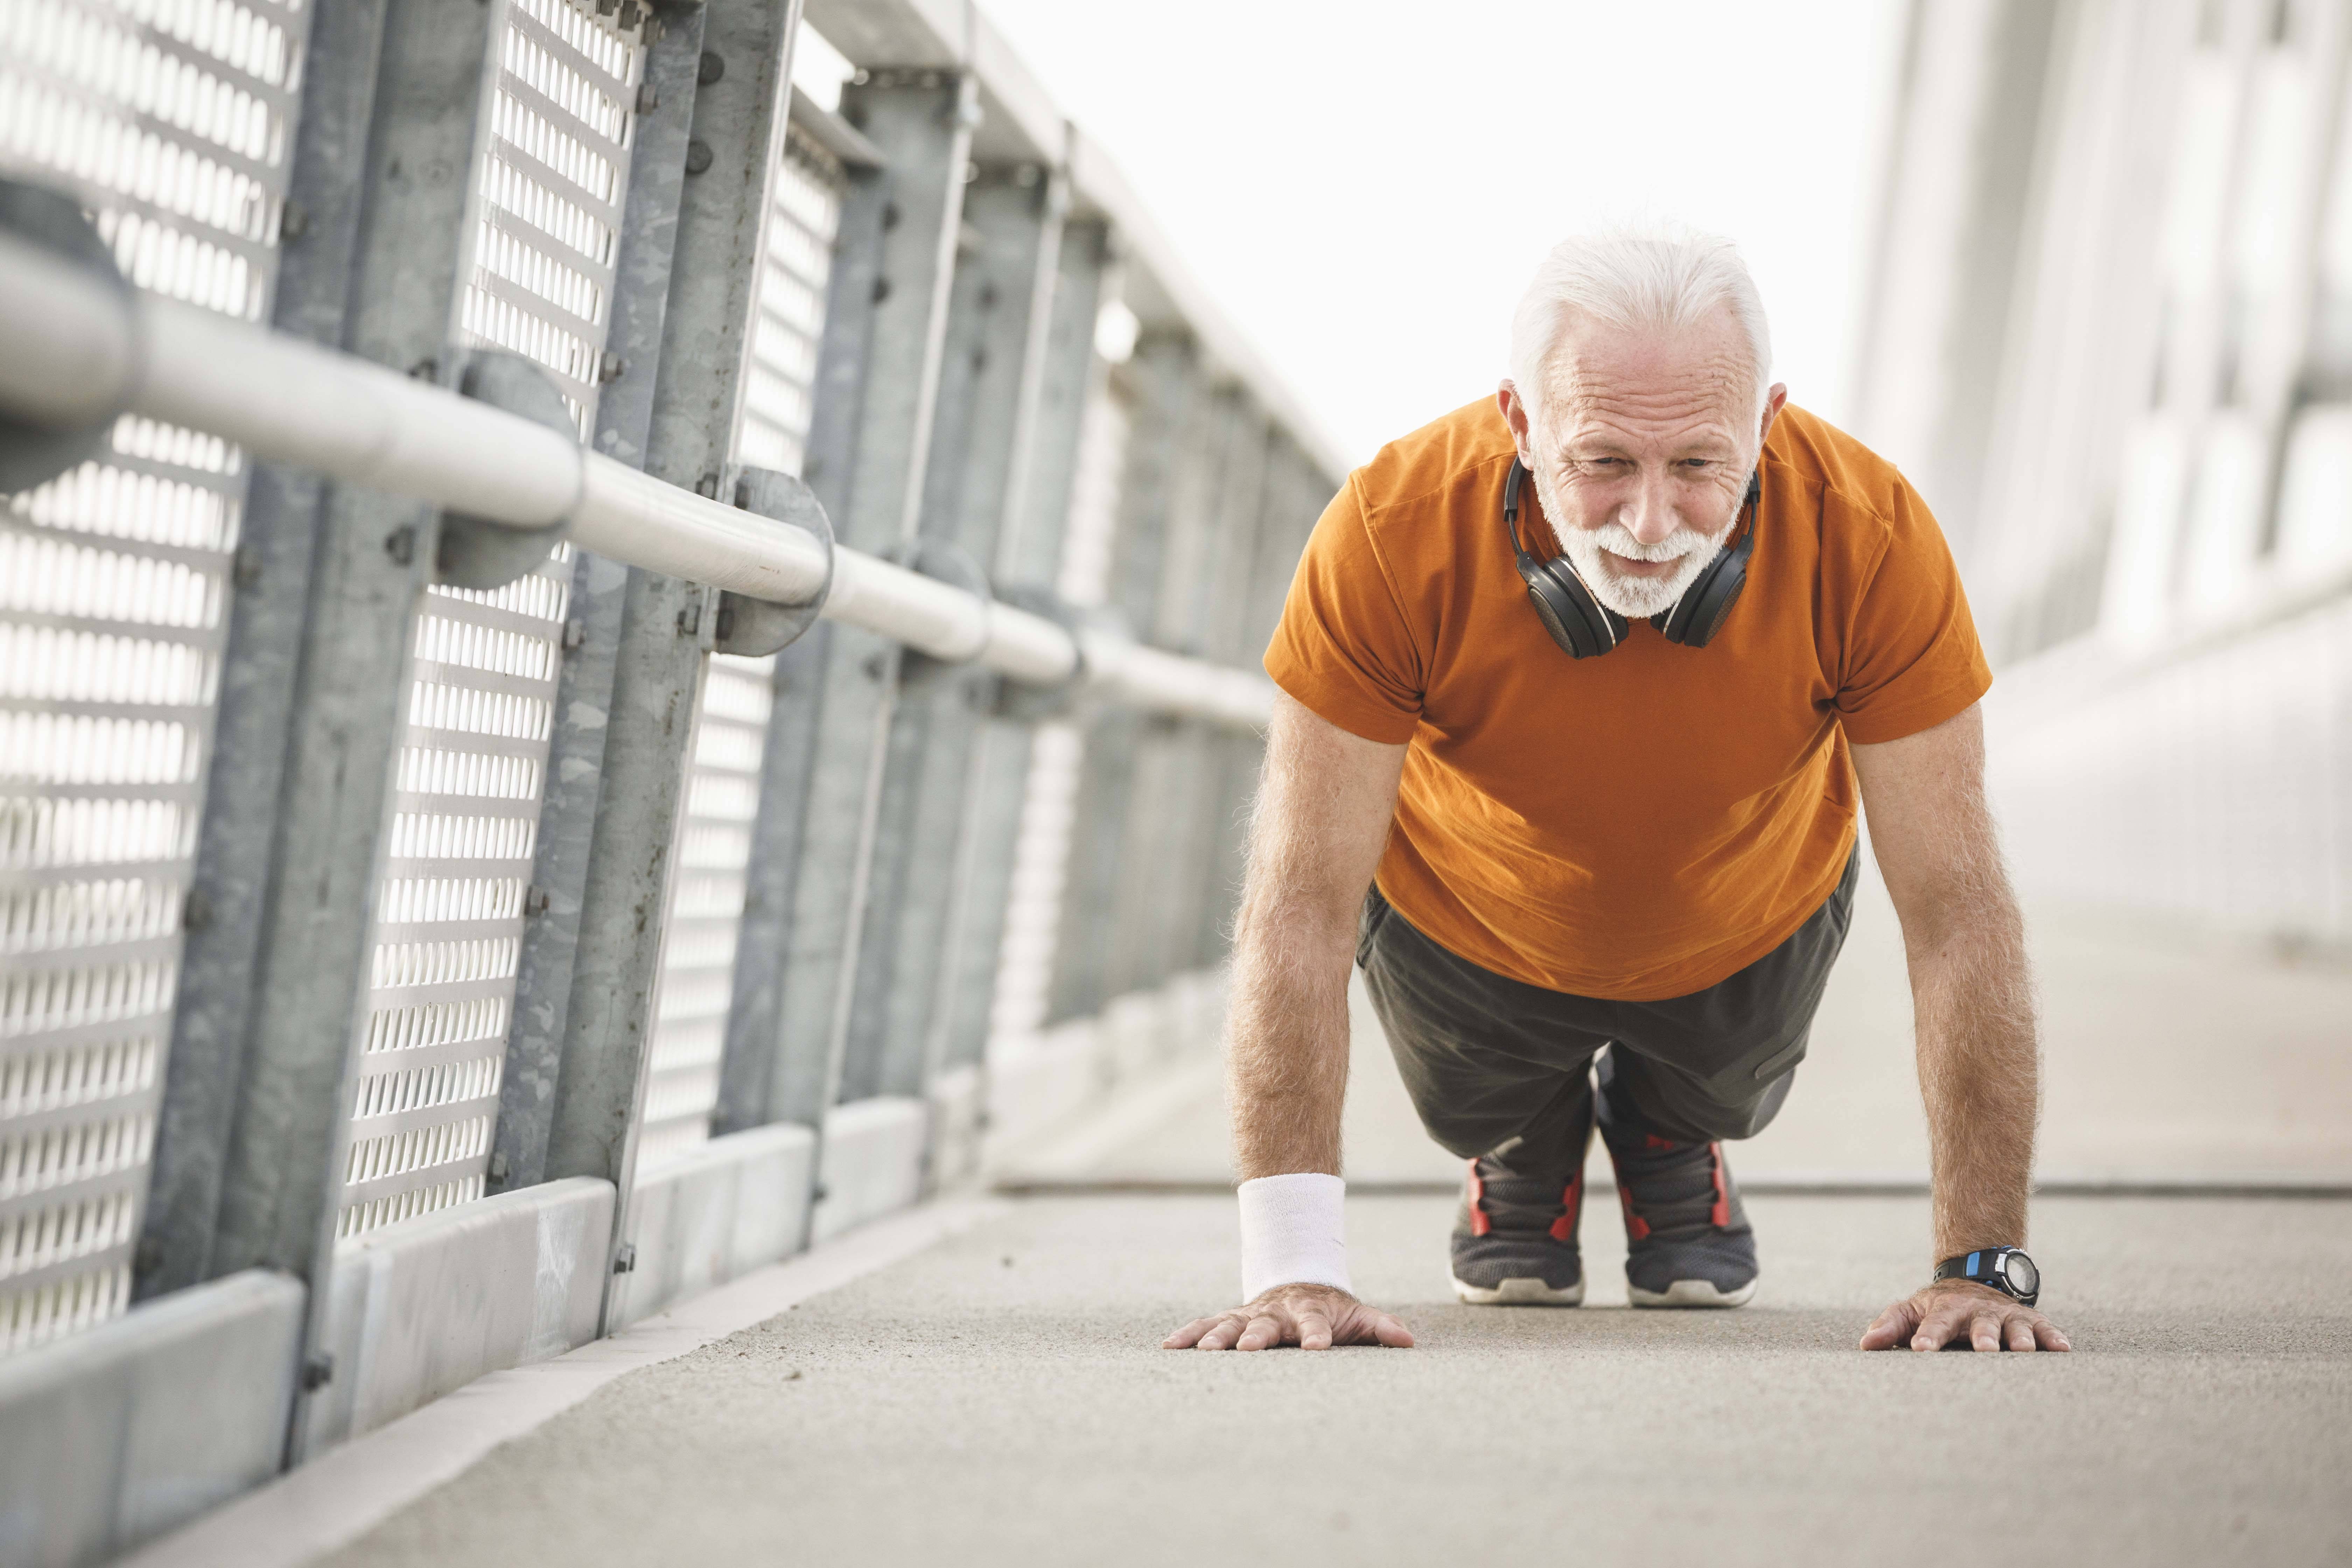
<point>1487,1058</point>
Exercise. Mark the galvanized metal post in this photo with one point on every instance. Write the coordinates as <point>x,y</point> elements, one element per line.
<point>285,1156</point>
<point>548,967</point>
<point>1092,960</point>
<point>1029,557</point>
<point>238,843</point>
<point>922,123</point>
<point>1168,813</point>
<point>1294,494</point>
<point>1245,499</point>
<point>668,625</point>
<point>1014,217</point>
<point>767,1075</point>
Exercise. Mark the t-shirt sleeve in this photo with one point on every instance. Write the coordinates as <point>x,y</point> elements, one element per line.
<point>1912,656</point>
<point>1343,648</point>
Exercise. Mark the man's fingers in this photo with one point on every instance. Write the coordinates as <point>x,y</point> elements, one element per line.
<point>1264,1332</point>
<point>1222,1332</point>
<point>1893,1327</point>
<point>1934,1320</point>
<point>1314,1322</point>
<point>1187,1336</point>
<point>1937,1328</point>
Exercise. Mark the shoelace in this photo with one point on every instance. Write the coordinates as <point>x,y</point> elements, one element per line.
<point>1678,1188</point>
<point>1508,1201</point>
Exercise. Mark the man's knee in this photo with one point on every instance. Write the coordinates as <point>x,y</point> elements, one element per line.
<point>1685,1109</point>
<point>1746,1120</point>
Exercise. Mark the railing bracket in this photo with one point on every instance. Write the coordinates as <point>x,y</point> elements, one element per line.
<point>32,454</point>
<point>477,552</point>
<point>750,628</point>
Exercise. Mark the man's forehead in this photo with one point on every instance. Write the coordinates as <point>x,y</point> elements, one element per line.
<point>1700,373</point>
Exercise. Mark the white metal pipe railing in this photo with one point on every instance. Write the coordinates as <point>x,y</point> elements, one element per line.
<point>71,349</point>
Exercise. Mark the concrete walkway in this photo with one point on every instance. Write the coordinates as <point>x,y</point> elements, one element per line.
<point>998,1396</point>
<point>998,1400</point>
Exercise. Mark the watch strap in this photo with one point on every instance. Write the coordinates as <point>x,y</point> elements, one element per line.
<point>1982,1267</point>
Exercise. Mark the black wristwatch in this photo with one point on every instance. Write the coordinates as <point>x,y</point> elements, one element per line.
<point>2005,1268</point>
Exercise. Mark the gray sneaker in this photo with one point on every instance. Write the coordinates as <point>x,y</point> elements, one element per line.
<point>1515,1237</point>
<point>1687,1240</point>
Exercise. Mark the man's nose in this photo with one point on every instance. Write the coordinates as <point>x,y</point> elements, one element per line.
<point>1648,513</point>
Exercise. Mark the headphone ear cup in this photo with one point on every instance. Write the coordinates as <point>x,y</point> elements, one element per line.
<point>1700,613</point>
<point>1710,616</point>
<point>1555,599</point>
<point>1571,641</point>
<point>1596,628</point>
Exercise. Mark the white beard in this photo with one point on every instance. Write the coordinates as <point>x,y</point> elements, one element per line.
<point>1590,550</point>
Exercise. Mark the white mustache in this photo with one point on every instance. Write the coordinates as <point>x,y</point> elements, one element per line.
<point>1618,540</point>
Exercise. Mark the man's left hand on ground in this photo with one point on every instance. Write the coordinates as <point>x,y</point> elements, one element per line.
<point>1312,1317</point>
<point>1955,1312</point>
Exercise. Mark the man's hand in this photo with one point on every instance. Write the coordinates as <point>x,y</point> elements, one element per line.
<point>1312,1317</point>
<point>1951,1312</point>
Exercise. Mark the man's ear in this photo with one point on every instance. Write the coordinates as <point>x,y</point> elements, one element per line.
<point>1774,401</point>
<point>1515,415</point>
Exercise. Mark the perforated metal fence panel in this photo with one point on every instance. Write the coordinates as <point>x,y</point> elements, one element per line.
<point>170,122</point>
<point>714,848</point>
<point>705,906</point>
<point>552,163</point>
<point>1033,921</point>
<point>796,263</point>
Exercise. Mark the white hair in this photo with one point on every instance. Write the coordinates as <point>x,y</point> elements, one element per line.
<point>1651,276</point>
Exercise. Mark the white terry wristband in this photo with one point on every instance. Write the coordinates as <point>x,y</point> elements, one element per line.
<point>1294,1232</point>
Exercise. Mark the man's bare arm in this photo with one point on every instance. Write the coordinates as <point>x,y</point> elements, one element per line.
<point>1324,805</point>
<point>1972,1000</point>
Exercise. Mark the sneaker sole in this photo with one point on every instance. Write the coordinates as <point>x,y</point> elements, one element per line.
<point>1684,1293</point>
<point>1519,1293</point>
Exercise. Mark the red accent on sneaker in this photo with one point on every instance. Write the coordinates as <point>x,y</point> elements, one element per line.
<point>1564,1227</point>
<point>1652,1143</point>
<point>1479,1224</point>
<point>1637,1228</point>
<point>1720,1216</point>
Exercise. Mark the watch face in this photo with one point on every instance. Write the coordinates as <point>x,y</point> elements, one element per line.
<point>2019,1270</point>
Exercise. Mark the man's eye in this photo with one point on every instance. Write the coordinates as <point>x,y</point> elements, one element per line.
<point>1698,462</point>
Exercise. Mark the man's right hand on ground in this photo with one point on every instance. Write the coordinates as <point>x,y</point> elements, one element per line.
<point>1312,1317</point>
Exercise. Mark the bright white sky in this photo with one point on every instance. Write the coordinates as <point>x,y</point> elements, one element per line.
<point>1366,185</point>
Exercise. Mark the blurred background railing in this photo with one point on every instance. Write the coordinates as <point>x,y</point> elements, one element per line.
<point>2109,335</point>
<point>405,979</point>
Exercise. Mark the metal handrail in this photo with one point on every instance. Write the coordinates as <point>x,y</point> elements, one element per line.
<point>75,348</point>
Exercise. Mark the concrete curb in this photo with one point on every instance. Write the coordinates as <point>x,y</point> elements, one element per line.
<point>125,1430</point>
<point>426,1306</point>
<point>336,1498</point>
<point>715,1214</point>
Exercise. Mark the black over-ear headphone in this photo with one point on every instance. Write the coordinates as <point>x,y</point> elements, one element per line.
<point>1584,627</point>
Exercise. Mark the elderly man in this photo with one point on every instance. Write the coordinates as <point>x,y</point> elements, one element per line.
<point>1581,686</point>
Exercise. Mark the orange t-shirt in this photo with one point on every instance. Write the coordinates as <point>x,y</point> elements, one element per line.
<point>1641,825</point>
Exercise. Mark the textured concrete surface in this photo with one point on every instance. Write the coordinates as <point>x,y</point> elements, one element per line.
<point>1000,1399</point>
<point>2169,1057</point>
